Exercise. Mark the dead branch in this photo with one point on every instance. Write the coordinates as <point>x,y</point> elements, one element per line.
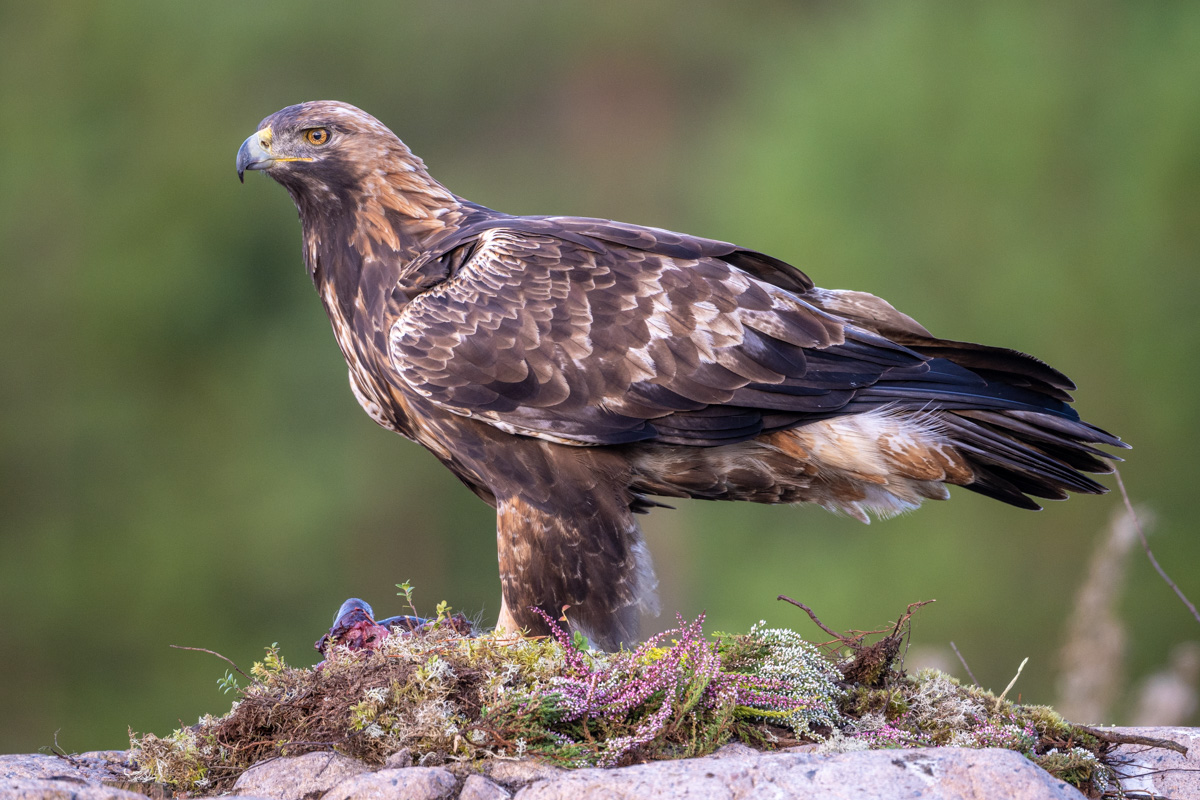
<point>908,612</point>
<point>964,663</point>
<point>1146,546</point>
<point>63,754</point>
<point>1129,738</point>
<point>218,655</point>
<point>812,615</point>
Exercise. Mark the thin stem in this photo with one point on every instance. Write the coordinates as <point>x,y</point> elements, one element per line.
<point>1011,683</point>
<point>813,615</point>
<point>974,680</point>
<point>1146,546</point>
<point>211,652</point>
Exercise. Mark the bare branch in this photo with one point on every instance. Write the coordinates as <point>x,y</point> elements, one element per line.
<point>908,612</point>
<point>218,655</point>
<point>963,661</point>
<point>63,754</point>
<point>814,618</point>
<point>1129,738</point>
<point>1146,546</point>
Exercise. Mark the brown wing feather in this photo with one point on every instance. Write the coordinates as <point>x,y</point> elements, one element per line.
<point>606,344</point>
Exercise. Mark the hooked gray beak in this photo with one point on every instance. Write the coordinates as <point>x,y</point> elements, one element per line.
<point>253,153</point>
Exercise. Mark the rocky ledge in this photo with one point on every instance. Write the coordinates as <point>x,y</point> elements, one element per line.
<point>734,772</point>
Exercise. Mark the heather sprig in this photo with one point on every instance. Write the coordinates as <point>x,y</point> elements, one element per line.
<point>801,688</point>
<point>660,688</point>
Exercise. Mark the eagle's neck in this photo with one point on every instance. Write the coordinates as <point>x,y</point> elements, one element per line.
<point>363,241</point>
<point>378,227</point>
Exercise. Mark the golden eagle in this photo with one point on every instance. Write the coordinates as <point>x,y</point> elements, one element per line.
<point>568,370</point>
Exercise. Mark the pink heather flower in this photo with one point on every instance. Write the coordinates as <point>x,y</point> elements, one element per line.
<point>614,686</point>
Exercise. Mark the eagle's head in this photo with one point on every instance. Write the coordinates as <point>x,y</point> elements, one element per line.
<point>345,169</point>
<point>322,146</point>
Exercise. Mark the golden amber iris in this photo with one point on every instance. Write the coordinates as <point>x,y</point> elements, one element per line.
<point>317,136</point>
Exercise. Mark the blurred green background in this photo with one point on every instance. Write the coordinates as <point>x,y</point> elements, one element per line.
<point>183,462</point>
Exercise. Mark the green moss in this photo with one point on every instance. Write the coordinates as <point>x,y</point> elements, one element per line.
<point>932,709</point>
<point>861,701</point>
<point>1078,766</point>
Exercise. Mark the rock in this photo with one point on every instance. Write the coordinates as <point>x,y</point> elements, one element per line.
<point>77,777</point>
<point>101,765</point>
<point>515,774</point>
<point>105,757</point>
<point>399,760</point>
<point>923,774</point>
<point>734,772</point>
<point>478,787</point>
<point>412,783</point>
<point>1159,772</point>
<point>61,789</point>
<point>297,777</point>
<point>734,750</point>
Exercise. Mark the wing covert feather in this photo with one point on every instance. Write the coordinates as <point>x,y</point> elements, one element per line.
<point>592,345</point>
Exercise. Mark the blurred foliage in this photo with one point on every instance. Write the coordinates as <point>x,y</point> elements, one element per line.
<point>181,461</point>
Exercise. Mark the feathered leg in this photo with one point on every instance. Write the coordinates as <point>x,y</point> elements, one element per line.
<point>594,563</point>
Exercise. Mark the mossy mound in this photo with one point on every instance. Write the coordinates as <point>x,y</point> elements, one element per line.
<point>446,695</point>
<point>932,709</point>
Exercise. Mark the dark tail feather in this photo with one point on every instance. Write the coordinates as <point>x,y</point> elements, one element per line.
<point>1016,454</point>
<point>1006,412</point>
<point>990,484</point>
<point>1058,438</point>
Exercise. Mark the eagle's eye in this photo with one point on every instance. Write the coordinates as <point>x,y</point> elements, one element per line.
<point>317,136</point>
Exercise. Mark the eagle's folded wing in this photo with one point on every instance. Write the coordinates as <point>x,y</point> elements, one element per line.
<point>607,343</point>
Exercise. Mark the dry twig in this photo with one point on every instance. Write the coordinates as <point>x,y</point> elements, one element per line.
<point>853,638</point>
<point>1146,546</point>
<point>218,655</point>
<point>812,615</point>
<point>63,754</point>
<point>963,661</point>
<point>1129,738</point>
